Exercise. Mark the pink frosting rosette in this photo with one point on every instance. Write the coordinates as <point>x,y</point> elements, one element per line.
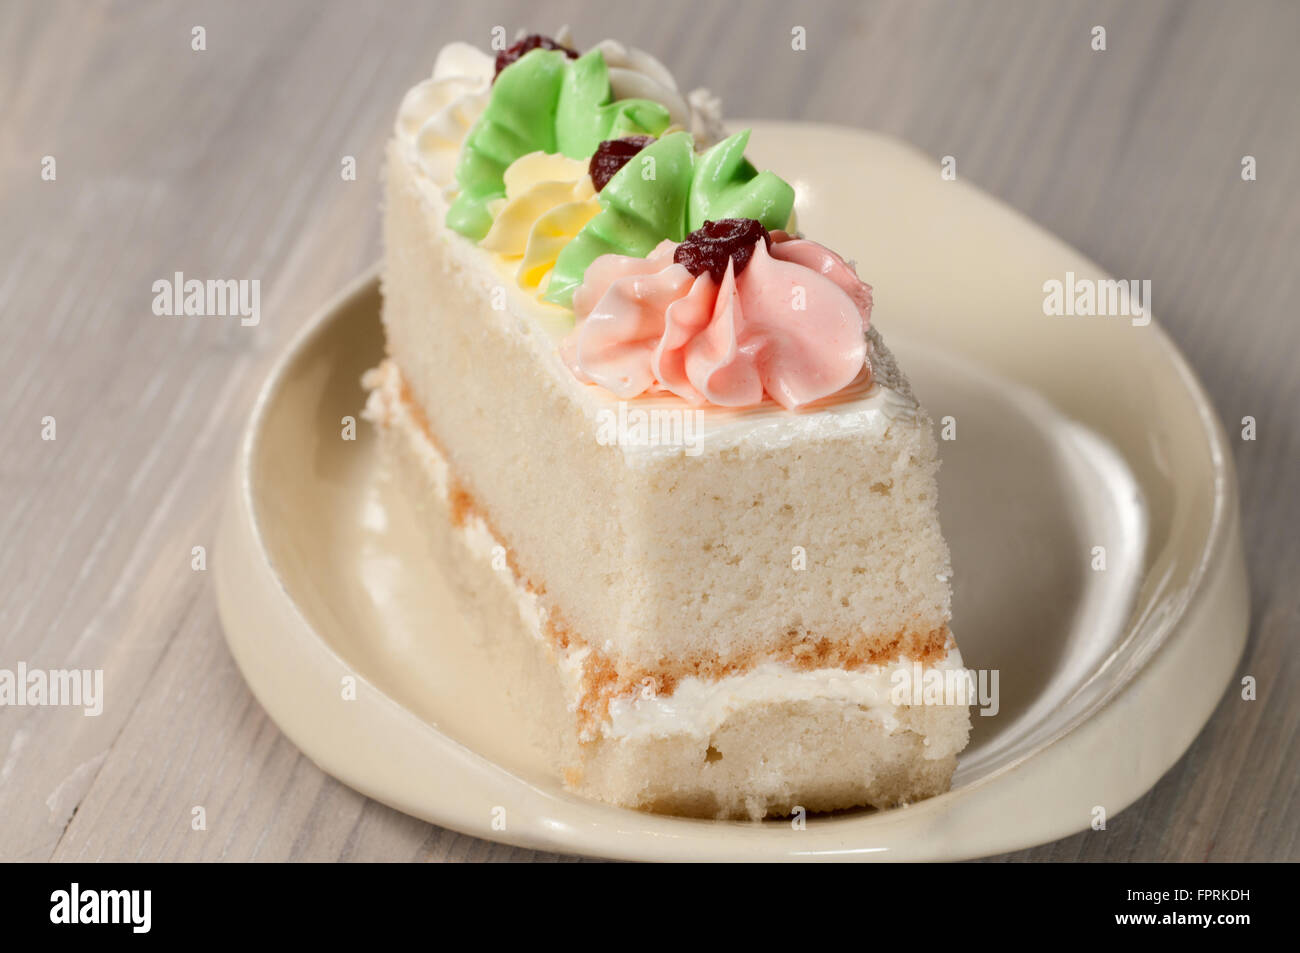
<point>791,325</point>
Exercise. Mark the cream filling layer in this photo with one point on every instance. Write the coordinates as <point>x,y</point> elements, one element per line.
<point>697,707</point>
<point>700,707</point>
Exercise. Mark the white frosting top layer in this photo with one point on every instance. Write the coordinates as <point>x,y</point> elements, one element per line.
<point>432,122</point>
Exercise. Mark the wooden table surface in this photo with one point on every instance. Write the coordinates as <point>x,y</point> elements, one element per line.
<point>226,162</point>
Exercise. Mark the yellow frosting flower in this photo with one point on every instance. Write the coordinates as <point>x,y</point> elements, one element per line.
<point>549,197</point>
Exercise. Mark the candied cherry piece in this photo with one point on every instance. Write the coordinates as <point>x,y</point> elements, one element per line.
<point>709,247</point>
<point>533,41</point>
<point>611,155</point>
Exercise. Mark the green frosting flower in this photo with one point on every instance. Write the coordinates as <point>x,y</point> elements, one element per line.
<point>726,185</point>
<point>641,205</point>
<point>587,114</point>
<point>519,119</point>
<point>670,197</point>
<point>545,102</point>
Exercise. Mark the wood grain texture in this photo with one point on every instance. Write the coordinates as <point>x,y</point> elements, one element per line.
<point>226,163</point>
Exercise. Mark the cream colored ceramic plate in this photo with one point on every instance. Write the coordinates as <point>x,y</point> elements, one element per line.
<point>1071,434</point>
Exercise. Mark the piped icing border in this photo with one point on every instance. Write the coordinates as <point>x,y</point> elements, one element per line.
<point>616,244</point>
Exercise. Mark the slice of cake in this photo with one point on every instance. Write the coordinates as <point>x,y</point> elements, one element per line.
<point>634,404</point>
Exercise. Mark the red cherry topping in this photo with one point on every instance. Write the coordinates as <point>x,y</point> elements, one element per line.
<point>533,41</point>
<point>709,248</point>
<point>611,155</point>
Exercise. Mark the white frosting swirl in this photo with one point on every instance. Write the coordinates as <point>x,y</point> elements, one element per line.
<point>437,114</point>
<point>635,74</point>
